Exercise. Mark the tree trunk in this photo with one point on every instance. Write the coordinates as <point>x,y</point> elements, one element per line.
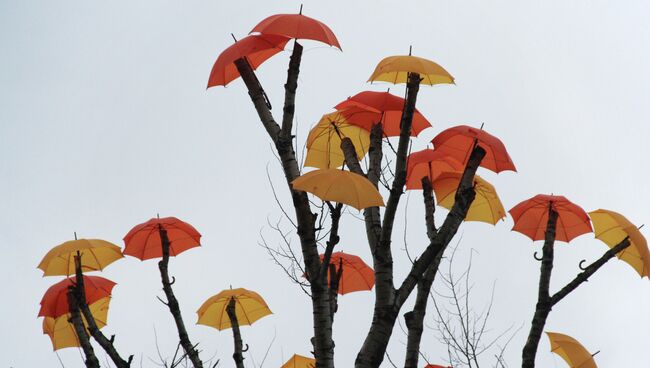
<point>75,318</point>
<point>105,343</point>
<point>544,305</point>
<point>172,302</point>
<point>237,355</point>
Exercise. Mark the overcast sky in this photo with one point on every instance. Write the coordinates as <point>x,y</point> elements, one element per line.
<point>105,121</point>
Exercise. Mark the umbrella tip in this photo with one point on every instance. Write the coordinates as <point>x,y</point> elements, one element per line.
<point>642,225</point>
<point>410,49</point>
<point>233,37</point>
<point>157,215</point>
<point>75,235</point>
<point>300,11</point>
<point>482,126</point>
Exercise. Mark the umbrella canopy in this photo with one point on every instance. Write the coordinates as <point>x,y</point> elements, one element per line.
<point>299,361</point>
<point>62,332</point>
<point>340,186</point>
<point>531,217</point>
<point>612,228</point>
<point>297,26</point>
<point>571,351</point>
<point>143,241</point>
<point>395,69</point>
<point>486,207</point>
<point>459,142</point>
<point>324,141</point>
<point>55,300</point>
<point>256,49</point>
<point>356,276</point>
<point>368,108</point>
<point>428,163</point>
<point>249,307</point>
<point>96,254</point>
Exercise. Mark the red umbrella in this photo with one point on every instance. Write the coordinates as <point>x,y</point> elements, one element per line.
<point>356,276</point>
<point>531,217</point>
<point>460,140</point>
<point>256,49</point>
<point>428,163</point>
<point>382,107</point>
<point>55,299</point>
<point>143,241</point>
<point>297,26</point>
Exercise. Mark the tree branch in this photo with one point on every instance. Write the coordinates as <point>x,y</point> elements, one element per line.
<point>75,318</point>
<point>237,355</point>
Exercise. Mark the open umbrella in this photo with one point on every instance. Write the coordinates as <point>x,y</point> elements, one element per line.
<point>249,307</point>
<point>571,351</point>
<point>256,49</point>
<point>356,275</point>
<point>612,228</point>
<point>96,254</point>
<point>368,108</point>
<point>55,299</point>
<point>340,186</point>
<point>299,361</point>
<point>324,141</point>
<point>297,26</point>
<point>459,141</point>
<point>531,217</point>
<point>395,69</point>
<point>143,241</point>
<point>486,206</point>
<point>62,332</point>
<point>428,163</point>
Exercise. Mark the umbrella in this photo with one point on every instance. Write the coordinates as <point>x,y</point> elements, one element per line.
<point>256,49</point>
<point>531,217</point>
<point>299,361</point>
<point>612,228</point>
<point>297,26</point>
<point>486,206</point>
<point>380,107</point>
<point>356,276</point>
<point>571,351</point>
<point>324,141</point>
<point>395,69</point>
<point>428,163</point>
<point>55,300</point>
<point>95,254</point>
<point>459,142</point>
<point>61,331</point>
<point>340,186</point>
<point>249,307</point>
<point>143,241</point>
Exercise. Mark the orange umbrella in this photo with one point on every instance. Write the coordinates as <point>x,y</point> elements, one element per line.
<point>143,241</point>
<point>356,276</point>
<point>55,300</point>
<point>324,141</point>
<point>299,361</point>
<point>380,107</point>
<point>95,254</point>
<point>297,26</point>
<point>531,217</point>
<point>428,163</point>
<point>61,331</point>
<point>459,141</point>
<point>340,186</point>
<point>571,351</point>
<point>396,69</point>
<point>256,49</point>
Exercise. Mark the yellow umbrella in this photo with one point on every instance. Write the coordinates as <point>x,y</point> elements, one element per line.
<point>395,69</point>
<point>324,141</point>
<point>249,307</point>
<point>571,351</point>
<point>95,255</point>
<point>612,227</point>
<point>62,332</point>
<point>340,186</point>
<point>486,207</point>
<point>299,361</point>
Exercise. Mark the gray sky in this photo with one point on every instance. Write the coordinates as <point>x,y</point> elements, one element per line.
<point>105,121</point>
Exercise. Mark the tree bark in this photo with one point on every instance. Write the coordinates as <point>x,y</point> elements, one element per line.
<point>544,305</point>
<point>237,355</point>
<point>323,342</point>
<point>172,302</point>
<point>76,320</point>
<point>105,343</point>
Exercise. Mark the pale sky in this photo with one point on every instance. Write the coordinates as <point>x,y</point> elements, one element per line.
<point>105,121</point>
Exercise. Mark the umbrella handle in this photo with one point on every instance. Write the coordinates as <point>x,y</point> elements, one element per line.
<point>581,264</point>
<point>535,256</point>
